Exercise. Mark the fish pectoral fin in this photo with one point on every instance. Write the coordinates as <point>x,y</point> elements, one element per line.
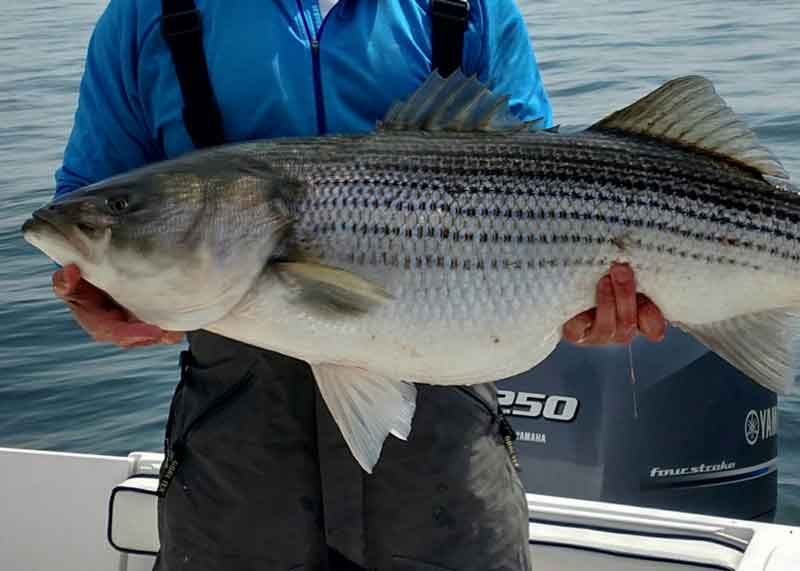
<point>366,407</point>
<point>688,111</point>
<point>331,289</point>
<point>765,345</point>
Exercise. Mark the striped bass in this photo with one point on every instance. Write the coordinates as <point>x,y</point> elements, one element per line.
<point>450,245</point>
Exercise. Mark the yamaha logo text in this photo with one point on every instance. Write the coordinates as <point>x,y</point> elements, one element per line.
<point>760,425</point>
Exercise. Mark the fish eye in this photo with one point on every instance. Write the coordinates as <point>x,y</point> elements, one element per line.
<point>117,205</point>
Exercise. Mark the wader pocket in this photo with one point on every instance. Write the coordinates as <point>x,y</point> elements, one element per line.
<point>241,478</point>
<point>195,402</point>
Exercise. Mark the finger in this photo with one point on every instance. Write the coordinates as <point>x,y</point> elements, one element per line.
<point>66,280</point>
<point>134,344</point>
<point>86,295</point>
<point>606,316</point>
<point>651,321</point>
<point>59,283</point>
<point>128,341</point>
<point>111,326</point>
<point>624,285</point>
<point>171,337</point>
<point>167,338</point>
<point>98,315</point>
<point>134,332</point>
<point>576,329</point>
<point>98,326</point>
<point>72,273</point>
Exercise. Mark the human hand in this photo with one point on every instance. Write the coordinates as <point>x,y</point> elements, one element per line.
<point>620,315</point>
<point>101,317</point>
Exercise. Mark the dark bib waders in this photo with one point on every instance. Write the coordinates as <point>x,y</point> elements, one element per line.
<point>257,475</point>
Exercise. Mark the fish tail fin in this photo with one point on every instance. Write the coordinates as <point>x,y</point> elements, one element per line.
<point>366,407</point>
<point>765,345</point>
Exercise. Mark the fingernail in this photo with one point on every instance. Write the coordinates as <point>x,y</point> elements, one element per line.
<point>139,342</point>
<point>620,274</point>
<point>584,333</point>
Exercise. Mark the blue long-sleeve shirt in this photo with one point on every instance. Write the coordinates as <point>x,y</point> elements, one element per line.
<point>260,64</point>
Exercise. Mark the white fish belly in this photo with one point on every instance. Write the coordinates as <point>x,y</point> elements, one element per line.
<point>476,325</point>
<point>442,327</point>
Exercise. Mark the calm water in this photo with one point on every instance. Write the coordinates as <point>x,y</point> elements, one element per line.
<point>60,392</point>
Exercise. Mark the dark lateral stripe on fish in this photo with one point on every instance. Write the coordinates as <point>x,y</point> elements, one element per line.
<point>695,186</point>
<point>544,215</point>
<point>495,237</point>
<point>515,166</point>
<point>402,201</point>
<point>468,264</point>
<point>577,197</point>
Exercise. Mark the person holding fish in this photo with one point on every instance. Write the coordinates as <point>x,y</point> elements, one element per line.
<point>257,473</point>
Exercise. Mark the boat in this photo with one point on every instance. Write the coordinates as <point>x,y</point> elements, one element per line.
<point>85,512</point>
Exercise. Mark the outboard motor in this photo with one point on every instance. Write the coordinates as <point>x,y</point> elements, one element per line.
<point>691,433</point>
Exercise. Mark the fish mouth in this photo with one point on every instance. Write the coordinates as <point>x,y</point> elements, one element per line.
<point>40,221</point>
<point>43,223</point>
<point>29,226</point>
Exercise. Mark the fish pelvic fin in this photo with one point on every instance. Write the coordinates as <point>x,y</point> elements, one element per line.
<point>366,407</point>
<point>765,345</point>
<point>458,103</point>
<point>687,111</point>
<point>331,290</point>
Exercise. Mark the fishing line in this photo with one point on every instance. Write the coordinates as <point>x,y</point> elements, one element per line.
<point>633,382</point>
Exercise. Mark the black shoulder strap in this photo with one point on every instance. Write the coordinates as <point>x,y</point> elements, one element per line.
<point>182,29</point>
<point>449,24</point>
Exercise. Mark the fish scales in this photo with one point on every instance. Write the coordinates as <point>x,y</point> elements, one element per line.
<point>671,173</point>
<point>448,186</point>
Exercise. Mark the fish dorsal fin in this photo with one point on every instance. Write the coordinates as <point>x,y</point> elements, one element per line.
<point>458,103</point>
<point>687,111</point>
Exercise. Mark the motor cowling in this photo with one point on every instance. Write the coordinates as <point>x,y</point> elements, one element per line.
<point>667,425</point>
